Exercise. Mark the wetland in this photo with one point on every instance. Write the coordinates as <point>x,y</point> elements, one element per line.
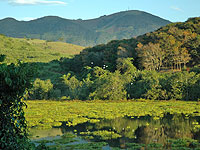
<point>114,125</point>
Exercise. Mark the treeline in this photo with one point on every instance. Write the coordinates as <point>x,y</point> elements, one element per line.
<point>126,82</point>
<point>150,66</point>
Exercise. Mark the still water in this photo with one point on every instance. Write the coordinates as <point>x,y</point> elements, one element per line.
<point>120,131</point>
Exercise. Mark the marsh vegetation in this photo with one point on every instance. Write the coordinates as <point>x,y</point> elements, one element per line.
<point>116,124</point>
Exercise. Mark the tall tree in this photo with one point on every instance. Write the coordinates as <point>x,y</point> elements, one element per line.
<point>151,56</point>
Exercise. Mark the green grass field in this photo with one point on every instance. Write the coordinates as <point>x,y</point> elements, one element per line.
<point>34,50</point>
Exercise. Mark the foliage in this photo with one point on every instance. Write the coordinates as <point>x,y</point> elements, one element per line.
<point>104,55</point>
<point>165,86</point>
<point>126,82</point>
<point>178,41</point>
<point>14,80</point>
<point>151,56</point>
<point>108,86</point>
<point>75,89</point>
<point>129,83</point>
<point>42,89</point>
<point>73,86</point>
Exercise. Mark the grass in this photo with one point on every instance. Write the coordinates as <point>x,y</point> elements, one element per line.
<point>59,47</point>
<point>34,50</point>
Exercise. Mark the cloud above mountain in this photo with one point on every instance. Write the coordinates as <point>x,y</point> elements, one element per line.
<point>176,8</point>
<point>35,2</point>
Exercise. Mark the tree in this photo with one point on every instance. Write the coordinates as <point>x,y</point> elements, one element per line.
<point>73,86</point>
<point>151,56</point>
<point>109,87</point>
<point>126,67</point>
<point>14,80</point>
<point>42,89</point>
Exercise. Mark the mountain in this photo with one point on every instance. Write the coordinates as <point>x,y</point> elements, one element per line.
<point>91,32</point>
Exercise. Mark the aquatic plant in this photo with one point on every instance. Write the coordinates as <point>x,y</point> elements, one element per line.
<point>46,114</point>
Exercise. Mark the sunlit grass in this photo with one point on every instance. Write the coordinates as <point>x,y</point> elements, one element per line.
<point>34,50</point>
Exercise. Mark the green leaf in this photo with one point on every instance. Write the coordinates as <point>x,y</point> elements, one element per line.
<point>8,81</point>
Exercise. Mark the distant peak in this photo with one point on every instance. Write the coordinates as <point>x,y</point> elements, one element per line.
<point>10,19</point>
<point>49,18</point>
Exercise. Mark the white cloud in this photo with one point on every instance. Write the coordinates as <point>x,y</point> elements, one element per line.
<point>35,2</point>
<point>176,8</point>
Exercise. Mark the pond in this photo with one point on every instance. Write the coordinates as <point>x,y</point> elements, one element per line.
<point>121,132</point>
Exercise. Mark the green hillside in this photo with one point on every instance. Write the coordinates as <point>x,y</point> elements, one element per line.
<point>91,32</point>
<point>33,50</point>
<point>176,45</point>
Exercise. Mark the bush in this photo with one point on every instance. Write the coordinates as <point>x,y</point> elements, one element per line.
<point>42,89</point>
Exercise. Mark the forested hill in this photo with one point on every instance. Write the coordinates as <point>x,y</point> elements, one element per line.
<point>120,25</point>
<point>175,45</point>
<point>151,66</point>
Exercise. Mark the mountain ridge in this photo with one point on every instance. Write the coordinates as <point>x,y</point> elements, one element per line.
<point>121,25</point>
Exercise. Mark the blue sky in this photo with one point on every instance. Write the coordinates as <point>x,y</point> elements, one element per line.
<point>173,10</point>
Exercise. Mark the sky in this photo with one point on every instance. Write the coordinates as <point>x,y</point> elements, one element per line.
<point>172,10</point>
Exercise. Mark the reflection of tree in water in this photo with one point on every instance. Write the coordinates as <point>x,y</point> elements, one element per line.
<point>169,127</point>
<point>149,134</point>
<point>144,130</point>
<point>37,134</point>
<point>177,126</point>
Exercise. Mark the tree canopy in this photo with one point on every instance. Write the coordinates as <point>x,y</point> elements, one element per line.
<point>14,81</point>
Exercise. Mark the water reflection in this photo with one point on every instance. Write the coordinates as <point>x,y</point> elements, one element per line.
<point>38,134</point>
<point>144,130</point>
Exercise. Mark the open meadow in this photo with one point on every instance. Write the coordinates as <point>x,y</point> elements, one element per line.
<point>35,50</point>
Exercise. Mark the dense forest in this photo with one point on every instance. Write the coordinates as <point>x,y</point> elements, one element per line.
<point>160,65</point>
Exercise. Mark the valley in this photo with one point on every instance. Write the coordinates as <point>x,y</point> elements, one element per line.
<point>134,83</point>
